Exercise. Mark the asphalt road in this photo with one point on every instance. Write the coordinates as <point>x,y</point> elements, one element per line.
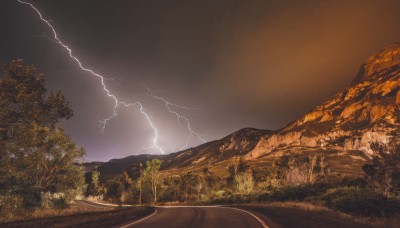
<point>198,217</point>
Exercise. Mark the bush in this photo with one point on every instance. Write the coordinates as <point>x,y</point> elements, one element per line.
<point>360,201</point>
<point>296,193</point>
<point>60,203</point>
<point>289,193</point>
<point>10,205</point>
<point>31,199</point>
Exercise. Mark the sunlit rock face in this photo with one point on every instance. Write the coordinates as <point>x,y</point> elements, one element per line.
<point>382,65</point>
<point>368,111</point>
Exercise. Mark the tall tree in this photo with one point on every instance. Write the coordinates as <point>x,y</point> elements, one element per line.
<point>92,181</point>
<point>152,174</point>
<point>34,151</point>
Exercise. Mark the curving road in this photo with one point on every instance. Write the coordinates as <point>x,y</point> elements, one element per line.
<point>198,217</point>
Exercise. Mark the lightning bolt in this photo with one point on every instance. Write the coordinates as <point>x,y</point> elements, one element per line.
<point>117,103</point>
<point>169,105</point>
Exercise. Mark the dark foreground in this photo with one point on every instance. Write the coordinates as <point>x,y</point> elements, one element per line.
<point>246,216</point>
<point>113,218</point>
<point>277,217</point>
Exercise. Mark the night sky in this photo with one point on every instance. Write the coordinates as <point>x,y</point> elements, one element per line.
<point>247,63</point>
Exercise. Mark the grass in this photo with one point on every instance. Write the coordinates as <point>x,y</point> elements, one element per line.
<point>46,213</point>
<point>82,217</point>
<point>300,205</point>
<point>62,212</point>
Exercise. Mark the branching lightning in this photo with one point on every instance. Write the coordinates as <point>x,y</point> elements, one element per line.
<point>117,102</point>
<point>169,105</point>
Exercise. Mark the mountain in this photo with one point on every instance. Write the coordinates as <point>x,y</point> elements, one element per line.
<point>341,129</point>
<point>236,144</point>
<point>368,111</point>
<point>92,165</point>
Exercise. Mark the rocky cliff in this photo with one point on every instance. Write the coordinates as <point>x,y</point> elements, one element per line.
<point>368,111</point>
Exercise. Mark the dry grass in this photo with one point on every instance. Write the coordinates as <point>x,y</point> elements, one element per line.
<point>108,218</point>
<point>66,212</point>
<point>47,213</point>
<point>300,205</point>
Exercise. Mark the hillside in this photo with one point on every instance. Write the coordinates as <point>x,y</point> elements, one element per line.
<point>341,129</point>
<point>238,143</point>
<point>366,112</point>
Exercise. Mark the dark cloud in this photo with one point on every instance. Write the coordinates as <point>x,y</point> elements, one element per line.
<point>241,63</point>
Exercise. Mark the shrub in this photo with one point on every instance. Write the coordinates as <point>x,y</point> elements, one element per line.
<point>289,193</point>
<point>360,201</point>
<point>60,203</point>
<point>31,199</point>
<point>297,193</point>
<point>10,205</point>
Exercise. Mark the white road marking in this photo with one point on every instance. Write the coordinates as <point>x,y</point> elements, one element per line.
<point>220,206</point>
<point>187,206</point>
<point>263,224</point>
<point>254,216</point>
<point>90,205</point>
<point>140,220</point>
<point>107,204</point>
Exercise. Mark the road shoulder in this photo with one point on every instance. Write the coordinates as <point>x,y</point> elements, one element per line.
<point>282,216</point>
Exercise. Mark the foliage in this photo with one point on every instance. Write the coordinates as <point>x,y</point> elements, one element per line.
<point>383,173</point>
<point>115,190</point>
<point>361,201</point>
<point>296,192</point>
<point>153,176</point>
<point>93,186</point>
<point>244,183</point>
<point>240,166</point>
<point>120,189</point>
<point>60,203</point>
<point>300,169</point>
<point>10,205</point>
<point>187,183</point>
<point>294,177</point>
<point>241,176</point>
<point>36,155</point>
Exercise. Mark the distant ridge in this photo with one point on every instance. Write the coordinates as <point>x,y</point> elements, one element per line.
<point>343,127</point>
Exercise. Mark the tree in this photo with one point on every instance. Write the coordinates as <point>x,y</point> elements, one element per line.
<point>241,176</point>
<point>187,182</point>
<point>383,173</point>
<point>92,181</point>
<point>24,100</point>
<point>115,191</point>
<point>240,166</point>
<point>153,176</point>
<point>244,182</point>
<point>299,169</point>
<point>34,151</point>
<point>120,189</point>
<point>129,186</point>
